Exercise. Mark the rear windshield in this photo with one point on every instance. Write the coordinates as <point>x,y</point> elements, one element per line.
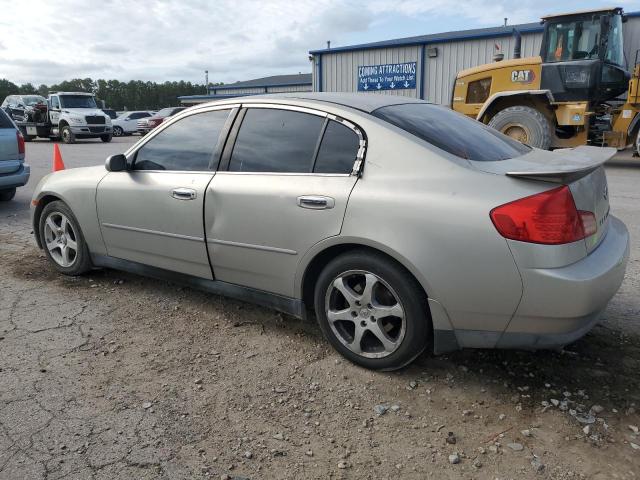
<point>5,122</point>
<point>452,132</point>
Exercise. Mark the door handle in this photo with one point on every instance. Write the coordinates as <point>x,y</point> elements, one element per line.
<point>184,193</point>
<point>316,202</point>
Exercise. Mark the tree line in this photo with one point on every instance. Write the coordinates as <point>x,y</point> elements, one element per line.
<point>132,95</point>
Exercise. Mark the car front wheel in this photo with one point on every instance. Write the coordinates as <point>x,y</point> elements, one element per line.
<point>372,310</point>
<point>117,131</point>
<point>62,239</point>
<point>67,135</point>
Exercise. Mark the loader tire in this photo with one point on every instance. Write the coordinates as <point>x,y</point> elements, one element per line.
<point>525,124</point>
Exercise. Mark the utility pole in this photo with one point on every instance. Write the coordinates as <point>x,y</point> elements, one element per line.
<point>206,81</point>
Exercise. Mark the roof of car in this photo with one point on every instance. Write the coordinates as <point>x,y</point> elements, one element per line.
<point>365,102</point>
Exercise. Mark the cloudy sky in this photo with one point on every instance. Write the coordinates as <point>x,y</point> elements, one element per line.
<point>46,41</point>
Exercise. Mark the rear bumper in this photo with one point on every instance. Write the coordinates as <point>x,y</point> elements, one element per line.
<point>560,305</point>
<point>17,178</point>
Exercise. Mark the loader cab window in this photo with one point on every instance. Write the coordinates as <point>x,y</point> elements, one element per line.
<point>576,40</point>
<point>614,52</point>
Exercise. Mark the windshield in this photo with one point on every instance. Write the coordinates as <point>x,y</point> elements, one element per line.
<point>77,101</point>
<point>575,40</point>
<point>452,132</point>
<point>614,52</point>
<point>165,112</point>
<point>33,99</point>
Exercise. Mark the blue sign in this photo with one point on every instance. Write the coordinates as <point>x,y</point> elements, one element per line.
<point>393,76</point>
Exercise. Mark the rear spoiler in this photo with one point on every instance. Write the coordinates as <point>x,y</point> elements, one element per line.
<point>563,166</point>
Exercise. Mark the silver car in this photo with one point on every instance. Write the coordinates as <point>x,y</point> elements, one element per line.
<point>401,225</point>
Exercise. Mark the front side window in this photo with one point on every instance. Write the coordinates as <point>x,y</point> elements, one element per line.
<point>338,150</point>
<point>187,145</point>
<point>272,140</point>
<point>78,101</point>
<point>55,103</point>
<point>452,132</point>
<point>575,40</point>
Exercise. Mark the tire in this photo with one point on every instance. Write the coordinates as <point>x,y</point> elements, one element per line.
<point>7,195</point>
<point>524,124</point>
<point>405,323</point>
<point>636,150</point>
<point>76,263</point>
<point>118,131</point>
<point>66,135</point>
<point>106,138</point>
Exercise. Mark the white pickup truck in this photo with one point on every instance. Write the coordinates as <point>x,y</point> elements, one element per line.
<point>69,116</point>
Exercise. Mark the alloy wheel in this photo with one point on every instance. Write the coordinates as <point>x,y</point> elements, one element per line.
<point>60,239</point>
<point>365,314</point>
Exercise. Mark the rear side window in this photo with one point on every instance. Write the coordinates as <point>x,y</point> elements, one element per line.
<point>338,150</point>
<point>5,122</point>
<point>187,145</point>
<point>452,132</point>
<point>272,140</point>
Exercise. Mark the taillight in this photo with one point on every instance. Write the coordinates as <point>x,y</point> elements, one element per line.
<point>549,217</point>
<point>20,139</point>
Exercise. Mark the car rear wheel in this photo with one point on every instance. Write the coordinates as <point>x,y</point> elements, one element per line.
<point>105,138</point>
<point>7,195</point>
<point>525,124</point>
<point>372,310</point>
<point>67,135</point>
<point>118,132</point>
<point>62,239</point>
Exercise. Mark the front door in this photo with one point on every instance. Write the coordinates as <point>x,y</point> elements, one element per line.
<point>152,213</point>
<point>284,187</point>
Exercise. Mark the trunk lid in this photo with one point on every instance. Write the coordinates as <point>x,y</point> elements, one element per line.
<point>579,168</point>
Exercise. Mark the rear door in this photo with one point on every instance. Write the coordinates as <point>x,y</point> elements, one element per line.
<point>152,213</point>
<point>283,186</point>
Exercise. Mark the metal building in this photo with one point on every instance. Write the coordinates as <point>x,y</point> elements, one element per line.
<point>300,82</point>
<point>429,63</point>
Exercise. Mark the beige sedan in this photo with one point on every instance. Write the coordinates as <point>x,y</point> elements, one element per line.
<point>401,226</point>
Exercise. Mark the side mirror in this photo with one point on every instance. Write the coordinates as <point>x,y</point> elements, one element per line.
<point>116,163</point>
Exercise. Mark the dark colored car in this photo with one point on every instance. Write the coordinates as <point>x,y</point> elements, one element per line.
<point>147,124</point>
<point>23,108</point>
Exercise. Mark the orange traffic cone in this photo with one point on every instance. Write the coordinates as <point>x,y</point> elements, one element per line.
<point>58,164</point>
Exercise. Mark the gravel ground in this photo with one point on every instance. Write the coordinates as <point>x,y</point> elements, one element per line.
<point>115,376</point>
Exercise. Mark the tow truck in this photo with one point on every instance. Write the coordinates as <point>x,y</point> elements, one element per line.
<point>67,116</point>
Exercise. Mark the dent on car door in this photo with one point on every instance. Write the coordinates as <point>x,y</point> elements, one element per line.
<point>152,213</point>
<point>283,186</point>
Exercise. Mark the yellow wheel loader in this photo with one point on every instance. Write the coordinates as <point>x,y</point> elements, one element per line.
<point>567,96</point>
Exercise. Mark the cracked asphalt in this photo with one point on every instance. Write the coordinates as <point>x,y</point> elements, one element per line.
<point>115,376</point>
